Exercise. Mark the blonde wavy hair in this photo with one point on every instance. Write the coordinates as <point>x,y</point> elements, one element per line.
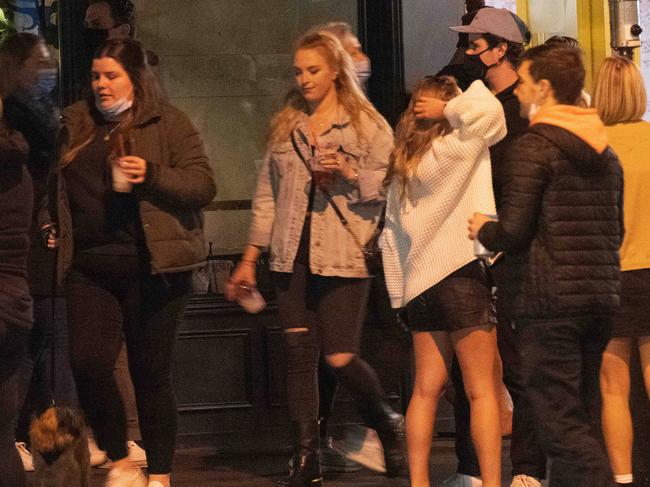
<point>349,92</point>
<point>619,92</point>
<point>413,137</point>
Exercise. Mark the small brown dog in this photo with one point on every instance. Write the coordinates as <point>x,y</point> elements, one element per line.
<point>60,449</point>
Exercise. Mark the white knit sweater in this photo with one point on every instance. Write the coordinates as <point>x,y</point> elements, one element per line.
<point>425,237</point>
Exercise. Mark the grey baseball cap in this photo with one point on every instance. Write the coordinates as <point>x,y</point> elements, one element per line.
<point>499,22</point>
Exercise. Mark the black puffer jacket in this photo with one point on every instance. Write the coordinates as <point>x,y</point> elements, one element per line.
<point>561,224</point>
<point>15,217</point>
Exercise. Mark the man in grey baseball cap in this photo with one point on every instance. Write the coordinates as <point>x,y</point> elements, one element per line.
<point>499,22</point>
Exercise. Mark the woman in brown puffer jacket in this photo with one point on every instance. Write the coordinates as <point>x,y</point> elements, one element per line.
<point>129,188</point>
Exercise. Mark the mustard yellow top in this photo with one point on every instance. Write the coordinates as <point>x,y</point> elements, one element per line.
<point>631,142</point>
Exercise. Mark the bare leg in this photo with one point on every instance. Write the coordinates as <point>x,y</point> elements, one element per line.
<point>644,350</point>
<point>476,350</point>
<point>616,416</point>
<point>432,353</point>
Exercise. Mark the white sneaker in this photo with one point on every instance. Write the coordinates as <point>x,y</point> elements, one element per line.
<point>97,457</point>
<point>136,454</point>
<point>131,477</point>
<point>25,456</point>
<point>462,480</point>
<point>525,481</point>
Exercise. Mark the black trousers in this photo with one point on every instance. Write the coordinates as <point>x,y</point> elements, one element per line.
<point>526,454</point>
<point>13,349</point>
<point>114,296</point>
<point>561,361</point>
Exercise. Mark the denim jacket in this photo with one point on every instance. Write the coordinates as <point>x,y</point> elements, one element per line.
<point>282,194</point>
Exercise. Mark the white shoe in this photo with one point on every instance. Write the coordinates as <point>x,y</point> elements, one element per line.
<point>462,480</point>
<point>25,456</point>
<point>97,457</point>
<point>136,454</point>
<point>525,481</point>
<point>131,477</point>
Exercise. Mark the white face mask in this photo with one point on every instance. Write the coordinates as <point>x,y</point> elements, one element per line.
<point>363,70</point>
<point>114,111</point>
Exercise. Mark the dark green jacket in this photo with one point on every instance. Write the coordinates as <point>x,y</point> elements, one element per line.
<point>179,183</point>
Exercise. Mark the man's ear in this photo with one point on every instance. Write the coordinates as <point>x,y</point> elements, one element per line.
<point>125,29</point>
<point>546,89</point>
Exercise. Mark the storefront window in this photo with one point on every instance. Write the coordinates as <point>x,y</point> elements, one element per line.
<point>228,66</point>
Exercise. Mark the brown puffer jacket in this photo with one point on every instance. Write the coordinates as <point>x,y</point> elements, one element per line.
<point>179,183</point>
<point>561,225</point>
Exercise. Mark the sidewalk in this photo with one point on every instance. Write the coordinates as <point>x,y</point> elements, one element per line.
<point>259,467</point>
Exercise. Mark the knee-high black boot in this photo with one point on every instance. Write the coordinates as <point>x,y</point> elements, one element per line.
<point>362,381</point>
<point>305,471</point>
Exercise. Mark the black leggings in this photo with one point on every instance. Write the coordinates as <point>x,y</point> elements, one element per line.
<point>13,349</point>
<point>114,296</point>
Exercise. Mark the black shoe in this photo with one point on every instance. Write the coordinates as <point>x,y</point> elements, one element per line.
<point>391,434</point>
<point>305,470</point>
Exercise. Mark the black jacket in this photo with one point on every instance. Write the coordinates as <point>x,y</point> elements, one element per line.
<point>15,218</point>
<point>37,119</point>
<point>561,224</point>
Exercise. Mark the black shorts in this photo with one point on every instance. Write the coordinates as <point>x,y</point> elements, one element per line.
<point>633,318</point>
<point>333,307</point>
<point>461,300</point>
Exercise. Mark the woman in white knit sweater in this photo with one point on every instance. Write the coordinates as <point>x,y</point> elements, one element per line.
<point>439,174</point>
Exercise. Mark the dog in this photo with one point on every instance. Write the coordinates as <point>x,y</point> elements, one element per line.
<point>60,449</point>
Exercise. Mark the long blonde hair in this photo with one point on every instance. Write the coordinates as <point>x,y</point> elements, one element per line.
<point>349,92</point>
<point>619,92</point>
<point>413,137</point>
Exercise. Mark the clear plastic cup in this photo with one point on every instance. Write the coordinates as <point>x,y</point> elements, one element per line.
<point>324,151</point>
<point>250,299</point>
<point>120,180</point>
<point>479,249</point>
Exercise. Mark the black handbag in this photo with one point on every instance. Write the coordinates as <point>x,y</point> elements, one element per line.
<point>370,250</point>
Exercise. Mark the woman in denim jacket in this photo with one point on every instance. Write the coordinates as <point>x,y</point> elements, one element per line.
<point>327,138</point>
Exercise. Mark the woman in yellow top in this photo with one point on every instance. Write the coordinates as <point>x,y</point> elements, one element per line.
<point>620,98</point>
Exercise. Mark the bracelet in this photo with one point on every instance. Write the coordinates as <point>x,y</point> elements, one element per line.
<point>250,261</point>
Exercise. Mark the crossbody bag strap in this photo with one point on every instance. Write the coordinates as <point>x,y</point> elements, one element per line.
<point>328,196</point>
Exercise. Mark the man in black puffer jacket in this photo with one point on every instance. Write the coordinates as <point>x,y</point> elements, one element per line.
<point>561,224</point>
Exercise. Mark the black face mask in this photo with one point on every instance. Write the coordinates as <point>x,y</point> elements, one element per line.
<point>474,68</point>
<point>93,38</point>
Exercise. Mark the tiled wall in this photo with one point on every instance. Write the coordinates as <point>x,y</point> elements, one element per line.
<point>227,64</point>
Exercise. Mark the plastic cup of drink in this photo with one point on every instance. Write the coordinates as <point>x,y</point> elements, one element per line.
<point>321,174</point>
<point>120,180</point>
<point>479,249</point>
<point>250,299</point>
